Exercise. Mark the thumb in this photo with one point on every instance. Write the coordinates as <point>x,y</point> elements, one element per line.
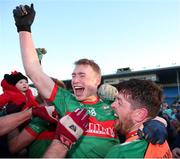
<point>32,6</point>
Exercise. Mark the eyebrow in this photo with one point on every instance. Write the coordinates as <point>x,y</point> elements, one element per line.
<point>119,99</point>
<point>80,73</point>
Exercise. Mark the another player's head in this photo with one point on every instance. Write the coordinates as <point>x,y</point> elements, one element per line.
<point>136,102</point>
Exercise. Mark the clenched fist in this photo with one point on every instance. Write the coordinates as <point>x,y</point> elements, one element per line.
<point>24,17</point>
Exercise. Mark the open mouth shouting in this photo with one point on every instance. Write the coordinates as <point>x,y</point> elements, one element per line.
<point>79,91</point>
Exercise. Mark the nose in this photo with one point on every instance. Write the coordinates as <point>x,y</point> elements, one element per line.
<point>75,79</point>
<point>113,105</point>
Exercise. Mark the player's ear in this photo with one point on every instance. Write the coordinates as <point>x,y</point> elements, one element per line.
<point>140,114</point>
<point>98,80</point>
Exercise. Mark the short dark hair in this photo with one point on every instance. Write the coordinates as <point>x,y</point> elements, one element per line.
<point>91,63</point>
<point>142,93</point>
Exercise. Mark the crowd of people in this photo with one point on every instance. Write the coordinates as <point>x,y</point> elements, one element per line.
<point>95,121</point>
<point>172,115</point>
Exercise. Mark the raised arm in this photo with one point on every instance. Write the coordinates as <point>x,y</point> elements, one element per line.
<point>24,17</point>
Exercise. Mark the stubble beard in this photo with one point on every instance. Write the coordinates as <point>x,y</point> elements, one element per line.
<point>124,127</point>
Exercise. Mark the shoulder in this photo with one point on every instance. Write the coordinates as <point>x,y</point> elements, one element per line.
<point>134,149</point>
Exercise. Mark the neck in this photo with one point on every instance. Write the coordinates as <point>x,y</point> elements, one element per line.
<point>91,99</point>
<point>135,127</point>
<point>23,93</point>
<point>131,134</point>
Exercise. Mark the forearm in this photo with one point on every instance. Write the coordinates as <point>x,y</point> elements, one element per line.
<point>56,150</point>
<point>18,141</point>
<point>29,56</point>
<point>10,122</point>
<point>31,64</point>
<point>66,137</point>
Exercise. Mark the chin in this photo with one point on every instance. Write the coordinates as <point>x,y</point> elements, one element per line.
<point>79,98</point>
<point>117,125</point>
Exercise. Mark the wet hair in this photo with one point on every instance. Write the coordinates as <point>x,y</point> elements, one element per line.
<point>142,93</point>
<point>91,63</point>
